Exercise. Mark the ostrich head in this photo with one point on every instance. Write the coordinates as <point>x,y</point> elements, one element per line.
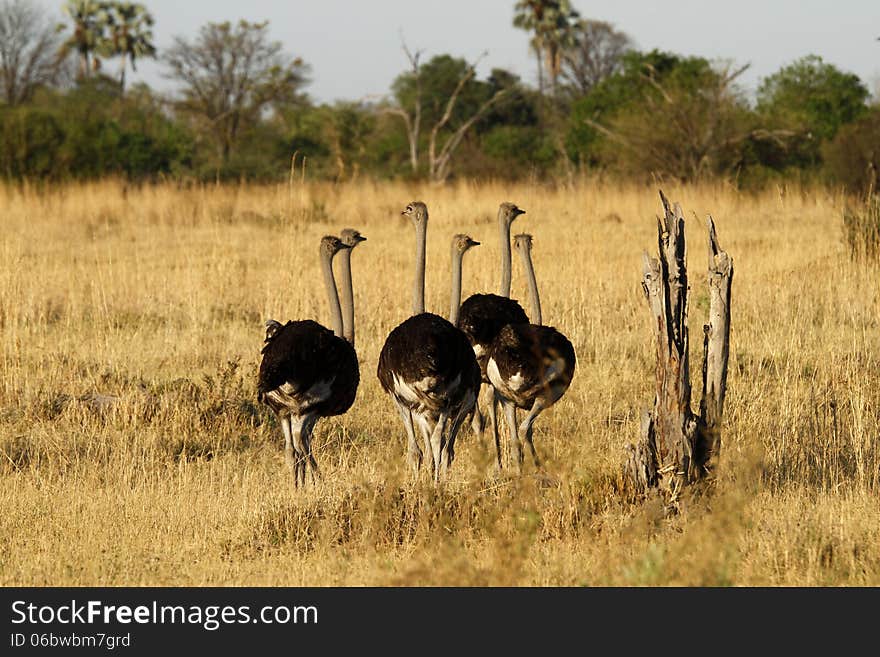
<point>272,328</point>
<point>461,243</point>
<point>507,212</point>
<point>331,245</point>
<point>417,212</point>
<point>522,241</point>
<point>351,238</point>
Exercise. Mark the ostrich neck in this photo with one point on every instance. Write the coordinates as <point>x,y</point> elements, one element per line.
<point>504,230</point>
<point>455,298</point>
<point>347,290</point>
<point>419,285</point>
<point>332,296</point>
<point>534,299</point>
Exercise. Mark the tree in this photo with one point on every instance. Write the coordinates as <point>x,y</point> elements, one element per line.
<point>445,93</point>
<point>597,53</point>
<point>814,98</point>
<point>622,90</point>
<point>28,50</point>
<point>230,75</point>
<point>550,21</point>
<point>668,115</point>
<point>130,34</point>
<point>687,124</point>
<point>852,158</point>
<point>346,127</point>
<point>89,33</point>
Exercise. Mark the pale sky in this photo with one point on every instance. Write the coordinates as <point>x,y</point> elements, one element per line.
<point>353,46</point>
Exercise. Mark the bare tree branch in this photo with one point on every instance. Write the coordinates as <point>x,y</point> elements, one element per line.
<point>29,44</point>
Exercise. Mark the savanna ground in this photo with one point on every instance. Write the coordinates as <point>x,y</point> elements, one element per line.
<point>155,298</point>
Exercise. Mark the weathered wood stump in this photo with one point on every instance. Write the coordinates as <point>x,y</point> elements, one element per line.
<point>676,446</point>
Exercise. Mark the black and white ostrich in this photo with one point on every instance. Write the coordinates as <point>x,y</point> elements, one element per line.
<point>308,371</point>
<point>428,366</point>
<point>530,366</point>
<point>484,315</point>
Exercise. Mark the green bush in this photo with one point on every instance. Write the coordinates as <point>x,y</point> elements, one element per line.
<point>853,157</point>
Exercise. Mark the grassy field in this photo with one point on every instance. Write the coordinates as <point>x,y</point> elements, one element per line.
<point>156,296</point>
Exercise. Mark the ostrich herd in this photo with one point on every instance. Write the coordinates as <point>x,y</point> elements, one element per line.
<point>432,367</point>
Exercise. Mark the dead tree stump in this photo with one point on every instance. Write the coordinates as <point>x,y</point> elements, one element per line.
<point>676,446</point>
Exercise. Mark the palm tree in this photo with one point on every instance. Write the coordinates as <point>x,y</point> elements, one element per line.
<point>130,34</point>
<point>551,22</point>
<point>89,22</point>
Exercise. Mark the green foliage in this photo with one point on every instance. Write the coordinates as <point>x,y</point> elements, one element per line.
<point>814,98</point>
<point>439,78</point>
<point>130,35</point>
<point>852,158</point>
<point>90,132</point>
<point>108,29</point>
<point>551,23</point>
<point>242,113</point>
<point>627,91</point>
<point>88,35</point>
<point>30,139</point>
<point>520,107</point>
<point>688,128</point>
<point>517,151</point>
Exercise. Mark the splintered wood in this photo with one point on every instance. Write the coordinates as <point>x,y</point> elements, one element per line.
<point>676,446</point>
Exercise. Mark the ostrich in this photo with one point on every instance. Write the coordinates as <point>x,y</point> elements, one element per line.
<point>428,367</point>
<point>530,365</point>
<point>309,372</point>
<point>484,315</point>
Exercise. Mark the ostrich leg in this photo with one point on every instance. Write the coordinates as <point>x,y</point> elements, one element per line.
<point>425,429</point>
<point>437,443</point>
<point>449,453</point>
<point>289,455</point>
<point>493,418</point>
<point>525,428</point>
<point>308,426</point>
<point>299,447</point>
<point>516,454</point>
<point>414,452</point>
<point>478,422</point>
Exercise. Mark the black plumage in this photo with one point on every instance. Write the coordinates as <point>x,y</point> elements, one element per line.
<point>303,356</point>
<point>306,373</point>
<point>426,347</point>
<point>482,316</point>
<point>530,367</point>
<point>531,362</point>
<point>428,366</point>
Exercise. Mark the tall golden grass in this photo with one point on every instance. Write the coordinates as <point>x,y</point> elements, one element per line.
<point>133,451</point>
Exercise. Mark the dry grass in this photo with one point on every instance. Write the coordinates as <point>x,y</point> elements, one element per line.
<point>157,296</point>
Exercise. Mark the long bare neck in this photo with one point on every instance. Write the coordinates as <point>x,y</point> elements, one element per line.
<point>455,298</point>
<point>504,230</point>
<point>332,296</point>
<point>347,290</point>
<point>534,299</point>
<point>419,285</point>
